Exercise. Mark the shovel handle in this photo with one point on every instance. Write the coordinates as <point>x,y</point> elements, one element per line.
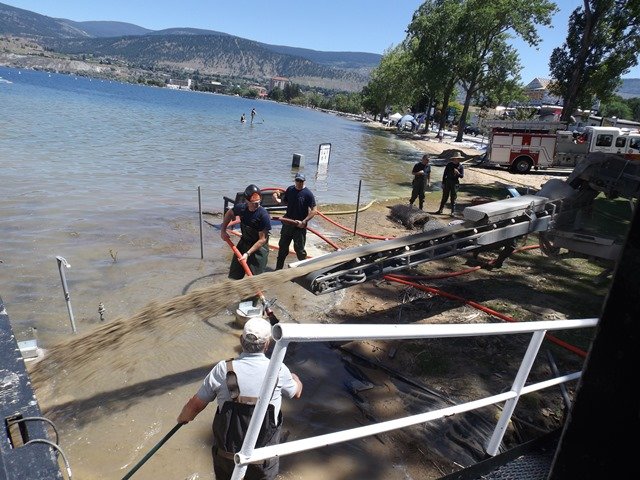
<point>272,316</point>
<point>246,268</point>
<point>152,451</point>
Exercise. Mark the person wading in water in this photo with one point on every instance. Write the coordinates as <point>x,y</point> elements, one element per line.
<point>236,385</point>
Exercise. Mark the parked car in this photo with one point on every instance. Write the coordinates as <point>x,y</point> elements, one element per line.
<point>471,130</point>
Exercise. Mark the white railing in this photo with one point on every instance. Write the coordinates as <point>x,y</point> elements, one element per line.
<point>288,332</point>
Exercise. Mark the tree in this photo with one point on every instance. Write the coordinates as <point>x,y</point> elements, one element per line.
<point>602,44</point>
<point>634,106</point>
<point>465,41</point>
<point>485,30</point>
<point>433,41</point>
<point>616,107</point>
<point>276,94</point>
<point>388,84</point>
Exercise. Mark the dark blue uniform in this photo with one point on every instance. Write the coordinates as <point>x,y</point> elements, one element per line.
<point>419,182</point>
<point>298,203</point>
<point>453,172</point>
<point>251,224</point>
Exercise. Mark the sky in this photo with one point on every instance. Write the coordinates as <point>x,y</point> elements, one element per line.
<point>329,25</point>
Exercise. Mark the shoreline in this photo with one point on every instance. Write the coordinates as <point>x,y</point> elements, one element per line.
<point>473,174</point>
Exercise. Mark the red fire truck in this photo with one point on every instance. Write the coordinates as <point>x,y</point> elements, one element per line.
<point>521,146</point>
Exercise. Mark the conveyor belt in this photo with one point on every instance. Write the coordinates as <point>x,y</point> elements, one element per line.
<point>492,223</point>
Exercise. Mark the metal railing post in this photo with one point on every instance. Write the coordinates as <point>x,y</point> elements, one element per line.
<point>510,405</point>
<point>63,262</point>
<point>268,386</point>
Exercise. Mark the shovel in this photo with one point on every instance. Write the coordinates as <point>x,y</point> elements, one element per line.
<point>267,309</point>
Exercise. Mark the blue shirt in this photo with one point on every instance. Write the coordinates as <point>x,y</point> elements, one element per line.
<point>258,220</point>
<point>298,202</point>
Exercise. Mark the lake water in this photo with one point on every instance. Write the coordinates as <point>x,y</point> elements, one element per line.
<point>106,175</point>
<point>89,165</point>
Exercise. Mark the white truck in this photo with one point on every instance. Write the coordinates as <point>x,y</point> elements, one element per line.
<point>521,146</point>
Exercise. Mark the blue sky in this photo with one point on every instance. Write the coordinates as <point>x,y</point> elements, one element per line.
<point>329,25</point>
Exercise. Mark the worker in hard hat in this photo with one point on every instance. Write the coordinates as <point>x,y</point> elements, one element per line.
<point>255,225</point>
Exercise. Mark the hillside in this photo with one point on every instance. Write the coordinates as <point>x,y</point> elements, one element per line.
<point>129,51</point>
<point>206,52</point>
<point>630,88</point>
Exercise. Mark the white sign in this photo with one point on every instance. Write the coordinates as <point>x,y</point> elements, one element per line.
<point>324,152</point>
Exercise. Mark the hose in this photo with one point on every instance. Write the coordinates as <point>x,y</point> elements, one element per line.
<point>350,212</point>
<point>312,230</point>
<point>481,307</point>
<point>267,309</point>
<point>152,451</point>
<point>360,234</point>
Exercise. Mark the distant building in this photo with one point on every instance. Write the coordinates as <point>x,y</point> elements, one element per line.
<point>217,87</point>
<point>278,82</point>
<point>262,92</point>
<point>538,92</point>
<point>180,84</point>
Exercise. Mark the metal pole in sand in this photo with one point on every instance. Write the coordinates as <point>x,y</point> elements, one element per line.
<point>355,226</point>
<point>200,214</point>
<point>62,261</point>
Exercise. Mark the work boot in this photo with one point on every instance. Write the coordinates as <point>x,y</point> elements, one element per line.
<point>453,209</point>
<point>439,212</point>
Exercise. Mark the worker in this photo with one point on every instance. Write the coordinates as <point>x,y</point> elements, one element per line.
<point>255,225</point>
<point>453,172</point>
<point>421,179</point>
<point>301,208</point>
<point>236,385</point>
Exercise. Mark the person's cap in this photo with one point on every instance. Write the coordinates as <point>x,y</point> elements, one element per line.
<point>301,177</point>
<point>456,156</point>
<point>256,330</point>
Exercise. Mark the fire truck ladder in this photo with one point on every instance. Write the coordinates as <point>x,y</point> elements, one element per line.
<point>483,225</point>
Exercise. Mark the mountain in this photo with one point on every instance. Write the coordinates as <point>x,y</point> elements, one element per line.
<point>133,51</point>
<point>207,52</point>
<point>108,29</point>
<point>630,88</point>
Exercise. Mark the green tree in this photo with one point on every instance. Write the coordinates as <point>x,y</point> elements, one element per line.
<point>602,44</point>
<point>432,39</point>
<point>388,84</point>
<point>276,94</point>
<point>488,60</point>
<point>634,106</point>
<point>616,107</point>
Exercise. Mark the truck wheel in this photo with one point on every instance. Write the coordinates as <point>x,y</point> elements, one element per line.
<point>521,165</point>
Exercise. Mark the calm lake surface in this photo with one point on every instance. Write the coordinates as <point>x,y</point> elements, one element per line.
<point>87,163</point>
<point>106,175</point>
